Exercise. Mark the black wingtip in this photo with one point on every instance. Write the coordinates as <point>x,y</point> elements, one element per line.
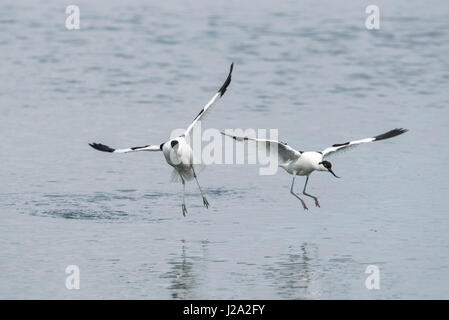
<point>390,134</point>
<point>227,82</point>
<point>101,147</point>
<point>340,144</point>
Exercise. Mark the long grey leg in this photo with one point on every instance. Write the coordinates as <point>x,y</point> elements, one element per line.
<point>205,202</point>
<point>184,209</point>
<point>309,195</point>
<point>291,191</point>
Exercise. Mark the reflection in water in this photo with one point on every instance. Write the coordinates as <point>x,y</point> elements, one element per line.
<point>70,202</point>
<point>293,274</point>
<point>183,275</point>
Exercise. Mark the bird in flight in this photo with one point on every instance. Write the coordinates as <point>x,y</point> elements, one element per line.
<point>177,152</point>
<point>303,163</point>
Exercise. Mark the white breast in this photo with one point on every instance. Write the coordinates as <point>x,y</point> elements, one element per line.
<point>307,163</point>
<point>179,156</point>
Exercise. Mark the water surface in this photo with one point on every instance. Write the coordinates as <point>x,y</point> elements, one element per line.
<point>137,70</point>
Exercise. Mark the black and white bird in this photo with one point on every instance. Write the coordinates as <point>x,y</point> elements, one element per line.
<point>177,152</point>
<point>303,163</point>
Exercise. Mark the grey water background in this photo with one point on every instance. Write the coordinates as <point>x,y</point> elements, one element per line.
<point>138,69</point>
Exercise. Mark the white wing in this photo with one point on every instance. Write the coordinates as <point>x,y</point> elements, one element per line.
<point>285,152</point>
<point>343,146</point>
<point>104,148</point>
<point>208,106</point>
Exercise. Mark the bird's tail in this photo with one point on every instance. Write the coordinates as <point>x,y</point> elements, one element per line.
<point>187,174</point>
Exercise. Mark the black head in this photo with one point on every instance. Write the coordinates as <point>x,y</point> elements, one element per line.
<point>328,166</point>
<point>174,143</point>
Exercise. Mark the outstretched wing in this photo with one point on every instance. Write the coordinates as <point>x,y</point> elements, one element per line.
<point>285,152</point>
<point>104,148</point>
<point>343,146</point>
<point>208,106</point>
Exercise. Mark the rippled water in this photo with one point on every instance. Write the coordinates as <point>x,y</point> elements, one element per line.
<point>138,69</point>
